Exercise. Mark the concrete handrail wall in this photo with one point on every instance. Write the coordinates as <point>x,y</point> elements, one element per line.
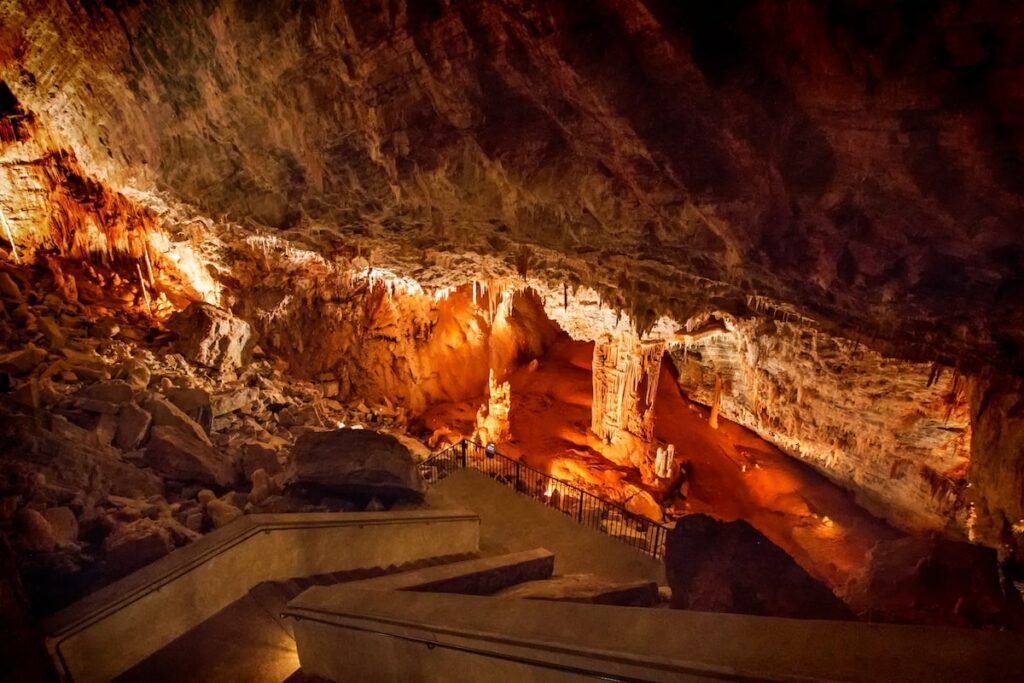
<point>351,633</point>
<point>113,629</point>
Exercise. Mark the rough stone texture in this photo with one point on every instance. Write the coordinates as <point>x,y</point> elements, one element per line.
<point>897,433</point>
<point>132,426</point>
<point>934,581</point>
<point>357,461</point>
<point>182,457</point>
<point>222,513</point>
<point>134,545</point>
<point>730,567</point>
<point>211,336</point>
<point>34,531</point>
<point>997,464</point>
<point>195,403</point>
<point>167,414</point>
<point>667,141</point>
<point>63,523</point>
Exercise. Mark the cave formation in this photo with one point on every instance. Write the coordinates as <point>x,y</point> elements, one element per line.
<point>759,261</point>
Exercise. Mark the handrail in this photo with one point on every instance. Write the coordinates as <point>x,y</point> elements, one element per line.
<point>591,511</point>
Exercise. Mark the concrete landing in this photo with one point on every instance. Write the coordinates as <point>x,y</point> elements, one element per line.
<point>511,522</point>
<point>242,643</point>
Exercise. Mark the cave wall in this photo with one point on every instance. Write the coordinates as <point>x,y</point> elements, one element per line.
<point>897,436</point>
<point>861,160</point>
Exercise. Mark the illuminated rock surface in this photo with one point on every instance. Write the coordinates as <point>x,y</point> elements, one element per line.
<point>375,214</point>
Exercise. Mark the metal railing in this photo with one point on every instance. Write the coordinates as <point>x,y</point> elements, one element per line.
<point>591,511</point>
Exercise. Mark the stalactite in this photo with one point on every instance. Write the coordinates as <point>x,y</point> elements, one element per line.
<point>10,236</point>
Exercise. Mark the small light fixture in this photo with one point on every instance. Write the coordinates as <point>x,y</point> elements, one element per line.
<point>491,450</point>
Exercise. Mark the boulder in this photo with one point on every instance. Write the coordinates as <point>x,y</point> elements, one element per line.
<point>932,581</point>
<point>225,402</point>
<point>114,391</point>
<point>357,461</point>
<point>178,455</point>
<point>222,513</point>
<point>64,524</point>
<point>55,335</point>
<point>9,288</point>
<point>106,328</point>
<point>137,374</point>
<point>132,426</point>
<point>211,336</point>
<point>195,403</point>
<point>257,455</point>
<point>134,545</point>
<point>27,394</point>
<point>167,414</point>
<point>22,361</point>
<point>717,566</point>
<point>262,488</point>
<point>34,531</point>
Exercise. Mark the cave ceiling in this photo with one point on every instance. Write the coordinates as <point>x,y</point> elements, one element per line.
<point>858,163</point>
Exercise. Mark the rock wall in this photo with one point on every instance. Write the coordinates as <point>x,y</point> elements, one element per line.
<point>860,161</point>
<point>897,434</point>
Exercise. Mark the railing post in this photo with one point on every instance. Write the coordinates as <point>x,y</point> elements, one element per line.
<point>517,476</point>
<point>463,446</point>
<point>579,514</point>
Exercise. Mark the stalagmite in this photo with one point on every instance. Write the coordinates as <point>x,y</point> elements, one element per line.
<point>664,462</point>
<point>492,425</point>
<point>10,236</point>
<point>716,403</point>
<point>145,293</point>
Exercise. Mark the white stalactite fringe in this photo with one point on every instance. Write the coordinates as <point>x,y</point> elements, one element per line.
<point>10,236</point>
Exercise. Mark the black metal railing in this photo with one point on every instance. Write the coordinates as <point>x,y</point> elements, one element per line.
<point>591,511</point>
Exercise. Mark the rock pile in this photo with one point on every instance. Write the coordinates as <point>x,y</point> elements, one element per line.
<point>120,441</point>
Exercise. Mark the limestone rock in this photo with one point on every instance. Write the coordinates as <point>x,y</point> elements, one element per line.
<point>106,328</point>
<point>9,288</point>
<point>55,336</point>
<point>137,374</point>
<point>114,391</point>
<point>34,531</point>
<point>262,487</point>
<point>166,413</point>
<point>180,456</point>
<point>22,361</point>
<point>222,513</point>
<point>211,336</point>
<point>63,523</point>
<point>357,461</point>
<point>134,545</point>
<point>132,426</point>
<point>931,581</point>
<point>27,394</point>
<point>258,455</point>
<point>195,403</point>
<point>730,567</point>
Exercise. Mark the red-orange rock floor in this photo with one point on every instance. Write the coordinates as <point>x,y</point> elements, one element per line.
<point>733,473</point>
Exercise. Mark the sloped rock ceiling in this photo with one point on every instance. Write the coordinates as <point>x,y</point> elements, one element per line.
<point>861,160</point>
<point>854,164</point>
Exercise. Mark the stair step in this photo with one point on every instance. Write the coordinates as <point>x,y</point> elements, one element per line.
<point>479,576</point>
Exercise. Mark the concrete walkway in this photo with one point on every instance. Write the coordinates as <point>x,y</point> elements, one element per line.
<point>512,522</point>
<point>240,644</point>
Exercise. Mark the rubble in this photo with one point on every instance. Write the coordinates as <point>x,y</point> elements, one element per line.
<point>211,336</point>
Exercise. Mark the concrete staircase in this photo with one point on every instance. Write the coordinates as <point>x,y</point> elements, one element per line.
<point>467,574</point>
